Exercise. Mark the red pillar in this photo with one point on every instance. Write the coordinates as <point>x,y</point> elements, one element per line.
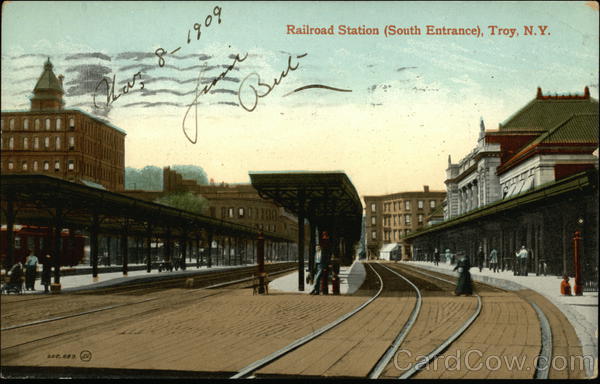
<point>576,254</point>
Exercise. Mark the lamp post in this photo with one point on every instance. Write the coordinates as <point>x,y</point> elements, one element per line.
<point>576,254</point>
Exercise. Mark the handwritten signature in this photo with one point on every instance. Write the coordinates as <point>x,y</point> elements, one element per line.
<point>204,91</point>
<point>251,85</point>
<point>247,83</point>
<point>110,88</point>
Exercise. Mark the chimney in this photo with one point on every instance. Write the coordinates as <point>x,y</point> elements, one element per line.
<point>586,93</point>
<point>539,93</point>
<point>426,188</point>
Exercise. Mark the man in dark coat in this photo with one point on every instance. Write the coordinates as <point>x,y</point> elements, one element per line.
<point>464,285</point>
<point>480,258</point>
<point>47,271</point>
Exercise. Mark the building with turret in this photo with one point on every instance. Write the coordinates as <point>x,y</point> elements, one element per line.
<point>70,144</point>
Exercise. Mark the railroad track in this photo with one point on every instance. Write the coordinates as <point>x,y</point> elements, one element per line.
<point>252,370</point>
<point>201,280</point>
<point>545,355</point>
<point>221,284</point>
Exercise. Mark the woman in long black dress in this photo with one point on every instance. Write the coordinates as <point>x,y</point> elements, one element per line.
<point>463,285</point>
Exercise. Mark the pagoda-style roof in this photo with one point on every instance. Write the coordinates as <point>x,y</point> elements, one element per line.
<point>546,111</point>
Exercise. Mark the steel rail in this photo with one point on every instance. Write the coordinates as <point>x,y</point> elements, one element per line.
<point>389,354</point>
<point>542,368</point>
<point>433,354</point>
<point>246,371</point>
<point>213,286</point>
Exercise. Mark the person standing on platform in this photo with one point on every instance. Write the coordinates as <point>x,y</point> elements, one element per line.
<point>523,257</point>
<point>436,256</point>
<point>47,271</point>
<point>494,260</point>
<point>565,287</point>
<point>480,257</point>
<point>30,271</point>
<point>323,263</point>
<point>464,285</point>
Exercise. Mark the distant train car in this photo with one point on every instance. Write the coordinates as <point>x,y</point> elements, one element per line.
<point>39,240</point>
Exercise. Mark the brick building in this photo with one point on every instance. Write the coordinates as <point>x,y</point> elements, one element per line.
<point>239,203</point>
<point>391,217</point>
<point>66,143</point>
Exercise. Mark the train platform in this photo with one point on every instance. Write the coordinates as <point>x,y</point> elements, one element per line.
<point>351,278</point>
<point>80,281</point>
<point>581,311</point>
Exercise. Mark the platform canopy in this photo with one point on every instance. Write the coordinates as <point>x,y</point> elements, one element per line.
<point>327,199</point>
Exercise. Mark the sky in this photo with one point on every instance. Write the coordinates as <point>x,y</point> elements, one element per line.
<point>395,108</point>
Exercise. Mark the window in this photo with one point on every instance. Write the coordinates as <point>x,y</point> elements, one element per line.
<point>230,213</point>
<point>249,213</point>
<point>24,165</point>
<point>25,124</point>
<point>37,124</point>
<point>36,143</point>
<point>46,142</point>
<point>373,207</point>
<point>57,142</point>
<point>241,212</point>
<point>11,142</point>
<point>420,218</point>
<point>59,124</point>
<point>11,124</point>
<point>71,142</point>
<point>47,124</point>
<point>373,235</point>
<point>407,219</point>
<point>10,165</point>
<point>407,205</point>
<point>373,220</point>
<point>431,204</point>
<point>71,165</point>
<point>35,165</point>
<point>71,123</point>
<point>57,165</point>
<point>420,204</point>
<point>25,143</point>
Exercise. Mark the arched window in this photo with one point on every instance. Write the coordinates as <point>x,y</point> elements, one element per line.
<point>36,143</point>
<point>25,124</point>
<point>11,124</point>
<point>25,143</point>
<point>57,142</point>
<point>35,165</point>
<point>11,142</point>
<point>59,124</point>
<point>71,123</point>
<point>37,124</point>
<point>24,165</point>
<point>46,165</point>
<point>47,124</point>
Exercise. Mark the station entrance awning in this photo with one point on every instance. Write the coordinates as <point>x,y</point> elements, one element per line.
<point>328,200</point>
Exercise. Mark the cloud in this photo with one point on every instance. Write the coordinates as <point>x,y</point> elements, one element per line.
<point>95,55</point>
<point>88,77</point>
<point>404,68</point>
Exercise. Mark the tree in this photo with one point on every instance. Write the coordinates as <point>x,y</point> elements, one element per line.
<point>192,172</point>
<point>148,178</point>
<point>185,201</point>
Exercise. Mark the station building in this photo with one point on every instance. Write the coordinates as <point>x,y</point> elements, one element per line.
<point>65,143</point>
<point>533,183</point>
<point>389,218</point>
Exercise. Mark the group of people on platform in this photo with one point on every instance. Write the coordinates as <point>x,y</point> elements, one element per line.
<point>26,273</point>
<point>521,265</point>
